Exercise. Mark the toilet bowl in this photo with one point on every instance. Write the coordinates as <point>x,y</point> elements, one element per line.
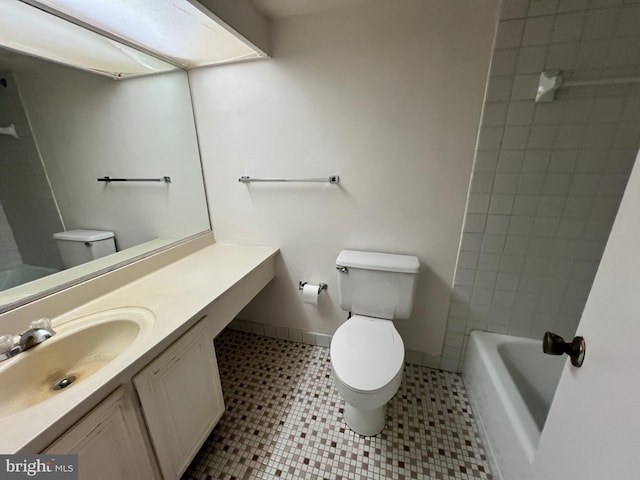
<point>367,353</point>
<point>367,359</point>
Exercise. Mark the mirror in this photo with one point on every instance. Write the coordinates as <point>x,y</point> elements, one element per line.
<point>72,127</point>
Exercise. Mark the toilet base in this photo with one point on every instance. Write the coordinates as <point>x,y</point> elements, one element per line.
<point>364,422</point>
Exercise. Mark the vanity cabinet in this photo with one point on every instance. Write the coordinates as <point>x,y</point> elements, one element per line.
<point>181,399</point>
<point>109,441</point>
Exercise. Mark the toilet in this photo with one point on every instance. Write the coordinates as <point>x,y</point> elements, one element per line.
<point>81,246</point>
<point>367,353</point>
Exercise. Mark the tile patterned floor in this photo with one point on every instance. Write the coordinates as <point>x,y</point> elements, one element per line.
<point>284,420</point>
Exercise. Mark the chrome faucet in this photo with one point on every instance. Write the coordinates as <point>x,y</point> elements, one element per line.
<point>39,331</point>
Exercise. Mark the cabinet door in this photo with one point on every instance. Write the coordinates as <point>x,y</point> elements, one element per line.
<point>109,442</point>
<point>181,399</point>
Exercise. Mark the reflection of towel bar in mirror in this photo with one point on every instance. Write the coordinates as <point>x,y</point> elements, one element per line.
<point>329,179</point>
<point>108,179</point>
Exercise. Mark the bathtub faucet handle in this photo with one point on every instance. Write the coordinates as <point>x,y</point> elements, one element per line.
<point>553,344</point>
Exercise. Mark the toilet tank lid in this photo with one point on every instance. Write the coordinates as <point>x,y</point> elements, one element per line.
<point>83,235</point>
<point>388,262</point>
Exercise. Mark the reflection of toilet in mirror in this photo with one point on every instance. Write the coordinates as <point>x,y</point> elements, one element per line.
<point>82,246</point>
<point>367,353</point>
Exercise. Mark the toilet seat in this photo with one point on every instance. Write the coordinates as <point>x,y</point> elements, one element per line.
<point>366,353</point>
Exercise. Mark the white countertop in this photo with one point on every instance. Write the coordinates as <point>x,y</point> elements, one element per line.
<point>219,279</point>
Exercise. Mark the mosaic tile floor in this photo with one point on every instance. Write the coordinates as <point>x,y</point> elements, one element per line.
<point>284,420</point>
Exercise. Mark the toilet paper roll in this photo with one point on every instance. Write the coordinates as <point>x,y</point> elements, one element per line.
<point>310,293</point>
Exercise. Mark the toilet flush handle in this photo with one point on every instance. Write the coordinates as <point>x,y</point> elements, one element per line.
<point>342,269</point>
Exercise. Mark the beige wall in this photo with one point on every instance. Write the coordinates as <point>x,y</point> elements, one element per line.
<point>387,95</point>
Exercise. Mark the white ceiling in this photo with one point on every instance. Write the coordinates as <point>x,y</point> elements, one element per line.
<point>287,8</point>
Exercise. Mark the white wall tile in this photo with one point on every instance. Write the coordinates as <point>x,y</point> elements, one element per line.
<point>510,161</point>
<point>537,30</point>
<point>551,205</point>
<point>295,335</point>
<point>493,242</point>
<point>485,279</point>
<point>556,184</point>
<point>464,277</point>
<point>542,137</point>
<point>501,204</point>
<point>481,182</point>
<point>548,113</point>
<point>626,136</point>
<point>570,5</point>
<point>628,21</point>
<point>515,137</point>
<point>511,263</point>
<point>499,89</point>
<point>478,203</point>
<point>530,183</point>
<point>474,222</point>
<point>568,27</point>
<point>494,114</point>
<point>531,59</point>
<point>513,9</point>
<point>562,56</point>
<point>520,225</point>
<point>490,138</point>
<point>485,161</point>
<point>509,33</point>
<point>504,62</point>
<point>525,205</point>
<point>270,331</point>
<point>489,261</point>
<point>468,259</point>
<point>516,245</point>
<point>525,87</point>
<point>535,266</point>
<point>507,281</point>
<point>471,242</point>
<point>600,23</point>
<point>543,7</point>
<point>309,338</point>
<point>570,136</point>
<point>577,207</point>
<point>536,161</point>
<point>323,340</point>
<point>584,184</point>
<point>623,52</point>
<point>497,224</point>
<point>505,183</point>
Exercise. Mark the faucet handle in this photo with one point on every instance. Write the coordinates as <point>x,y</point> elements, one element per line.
<point>6,343</point>
<point>41,323</point>
<point>8,346</point>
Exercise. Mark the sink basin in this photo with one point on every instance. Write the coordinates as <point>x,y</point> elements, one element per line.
<point>80,348</point>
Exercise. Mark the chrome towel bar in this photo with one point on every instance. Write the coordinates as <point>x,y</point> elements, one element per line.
<point>109,179</point>
<point>329,179</point>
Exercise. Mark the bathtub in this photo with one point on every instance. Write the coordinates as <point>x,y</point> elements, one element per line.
<point>510,384</point>
<point>23,273</point>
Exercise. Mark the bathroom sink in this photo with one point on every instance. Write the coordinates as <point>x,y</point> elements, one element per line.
<point>80,348</point>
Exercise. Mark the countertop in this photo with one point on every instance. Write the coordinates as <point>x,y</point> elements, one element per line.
<point>217,281</point>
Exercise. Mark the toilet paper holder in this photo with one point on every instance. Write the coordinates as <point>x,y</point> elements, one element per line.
<point>321,286</point>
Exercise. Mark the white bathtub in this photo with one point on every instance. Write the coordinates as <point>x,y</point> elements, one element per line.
<point>23,273</point>
<point>511,384</point>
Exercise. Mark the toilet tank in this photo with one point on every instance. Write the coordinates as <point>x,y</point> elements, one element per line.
<point>380,285</point>
<point>81,246</point>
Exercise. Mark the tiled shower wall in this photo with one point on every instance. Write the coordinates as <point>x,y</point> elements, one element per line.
<point>25,193</point>
<point>547,177</point>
